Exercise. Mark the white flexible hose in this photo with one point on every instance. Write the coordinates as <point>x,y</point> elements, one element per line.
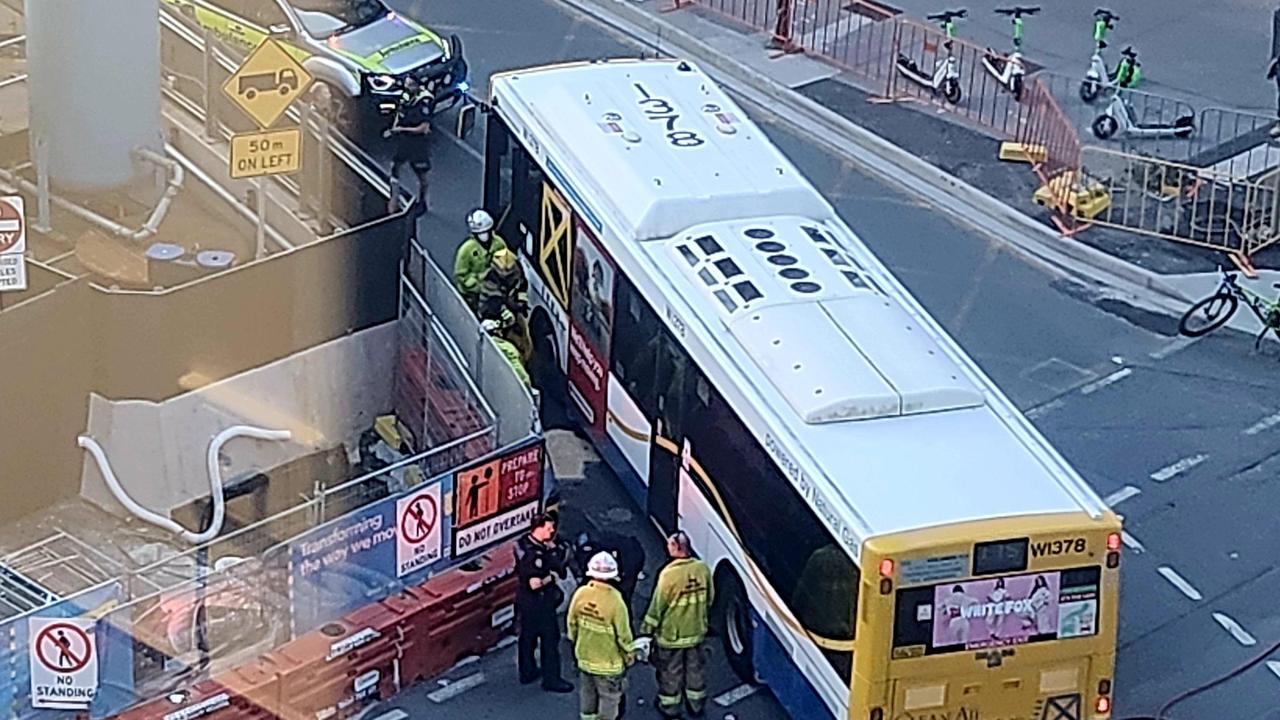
<point>215,481</point>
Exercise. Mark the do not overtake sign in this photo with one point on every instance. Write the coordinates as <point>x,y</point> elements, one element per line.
<point>64,663</point>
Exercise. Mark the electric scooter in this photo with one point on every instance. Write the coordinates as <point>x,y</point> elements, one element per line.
<point>1098,78</point>
<point>945,78</point>
<point>1009,71</point>
<point>1119,117</point>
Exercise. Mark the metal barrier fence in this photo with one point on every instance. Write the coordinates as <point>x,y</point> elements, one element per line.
<point>1176,201</point>
<point>430,301</point>
<point>873,43</point>
<point>1225,169</point>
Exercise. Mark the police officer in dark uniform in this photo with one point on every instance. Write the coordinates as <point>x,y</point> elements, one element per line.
<point>540,562</point>
<point>409,131</point>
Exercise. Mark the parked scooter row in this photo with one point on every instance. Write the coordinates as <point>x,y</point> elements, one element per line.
<point>1117,118</point>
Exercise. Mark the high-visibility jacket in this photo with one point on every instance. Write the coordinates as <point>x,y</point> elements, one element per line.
<point>600,629</point>
<point>512,354</point>
<point>471,262</point>
<point>677,615</point>
<point>500,291</point>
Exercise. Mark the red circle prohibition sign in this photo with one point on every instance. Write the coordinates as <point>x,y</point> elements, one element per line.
<point>10,225</point>
<point>68,661</point>
<point>417,523</point>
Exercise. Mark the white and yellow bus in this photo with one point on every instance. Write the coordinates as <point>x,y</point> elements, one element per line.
<point>891,539</point>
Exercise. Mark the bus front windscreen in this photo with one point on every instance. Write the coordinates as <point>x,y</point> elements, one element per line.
<point>996,612</point>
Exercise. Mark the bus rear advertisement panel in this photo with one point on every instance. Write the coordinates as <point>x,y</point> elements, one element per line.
<point>996,612</point>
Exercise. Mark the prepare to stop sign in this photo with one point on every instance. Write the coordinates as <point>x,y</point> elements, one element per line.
<point>64,663</point>
<point>418,536</point>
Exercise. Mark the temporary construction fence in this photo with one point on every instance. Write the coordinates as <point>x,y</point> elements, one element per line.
<point>871,42</point>
<point>1225,169</point>
<point>310,612</point>
<point>1200,206</point>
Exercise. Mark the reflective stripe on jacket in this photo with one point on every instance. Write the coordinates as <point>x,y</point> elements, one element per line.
<point>600,629</point>
<point>678,611</point>
<point>470,263</point>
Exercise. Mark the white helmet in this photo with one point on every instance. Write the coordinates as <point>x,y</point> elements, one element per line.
<point>602,567</point>
<point>480,221</point>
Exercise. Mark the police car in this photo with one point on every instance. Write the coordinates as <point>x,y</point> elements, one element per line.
<point>361,49</point>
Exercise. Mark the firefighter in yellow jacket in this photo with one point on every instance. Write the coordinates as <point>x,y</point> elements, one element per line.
<point>498,331</point>
<point>677,618</point>
<point>475,255</point>
<point>600,630</point>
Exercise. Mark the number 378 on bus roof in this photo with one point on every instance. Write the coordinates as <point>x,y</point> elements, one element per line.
<point>657,109</point>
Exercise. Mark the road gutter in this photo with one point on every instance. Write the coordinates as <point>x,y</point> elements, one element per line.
<point>888,162</point>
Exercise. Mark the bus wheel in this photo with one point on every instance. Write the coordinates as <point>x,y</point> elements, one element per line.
<point>732,618</point>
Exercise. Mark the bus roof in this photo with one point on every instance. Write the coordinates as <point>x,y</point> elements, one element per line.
<point>679,152</point>
<point>808,333</point>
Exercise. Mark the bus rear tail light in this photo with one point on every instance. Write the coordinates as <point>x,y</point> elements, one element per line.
<point>877,714</point>
<point>1103,706</point>
<point>886,568</point>
<point>1113,541</point>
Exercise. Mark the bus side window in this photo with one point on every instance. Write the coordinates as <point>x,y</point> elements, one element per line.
<point>497,166</point>
<point>793,549</point>
<point>636,336</point>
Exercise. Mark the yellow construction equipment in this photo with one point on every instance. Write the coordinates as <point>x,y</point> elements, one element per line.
<point>1085,198</point>
<point>1022,152</point>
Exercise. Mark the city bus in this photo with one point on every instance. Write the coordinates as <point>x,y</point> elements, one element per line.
<point>890,538</point>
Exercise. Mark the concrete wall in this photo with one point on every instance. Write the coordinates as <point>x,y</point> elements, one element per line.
<point>326,396</point>
<point>78,340</point>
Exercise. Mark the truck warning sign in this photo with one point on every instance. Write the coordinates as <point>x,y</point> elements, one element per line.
<point>275,152</point>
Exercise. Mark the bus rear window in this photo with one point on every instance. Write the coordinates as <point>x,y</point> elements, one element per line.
<point>998,558</point>
<point>996,612</point>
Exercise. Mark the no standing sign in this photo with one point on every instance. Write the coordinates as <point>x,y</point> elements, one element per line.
<point>64,663</point>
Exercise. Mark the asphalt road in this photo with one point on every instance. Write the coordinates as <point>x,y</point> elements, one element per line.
<point>1185,436</point>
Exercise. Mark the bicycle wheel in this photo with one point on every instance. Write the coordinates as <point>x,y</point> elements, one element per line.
<point>1208,315</point>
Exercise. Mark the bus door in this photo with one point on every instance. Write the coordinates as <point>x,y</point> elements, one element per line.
<point>590,329</point>
<point>672,380</point>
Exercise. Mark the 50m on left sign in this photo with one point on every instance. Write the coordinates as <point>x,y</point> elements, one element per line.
<point>271,152</point>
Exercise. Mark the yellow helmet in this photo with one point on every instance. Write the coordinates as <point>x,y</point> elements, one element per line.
<point>504,260</point>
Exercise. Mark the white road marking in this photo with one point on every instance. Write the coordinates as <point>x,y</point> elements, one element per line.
<point>1121,495</point>
<point>1179,582</point>
<point>1042,410</point>
<point>454,689</point>
<point>1265,423</point>
<point>741,692</point>
<point>1238,632</point>
<point>1132,543</point>
<point>1168,472</point>
<point>1111,379</point>
<point>393,715</point>
<point>1172,348</point>
<point>1274,667</point>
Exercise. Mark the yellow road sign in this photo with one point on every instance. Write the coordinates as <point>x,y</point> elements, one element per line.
<point>274,152</point>
<point>267,83</point>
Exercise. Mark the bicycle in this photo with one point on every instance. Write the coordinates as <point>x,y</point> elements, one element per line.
<point>1214,311</point>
